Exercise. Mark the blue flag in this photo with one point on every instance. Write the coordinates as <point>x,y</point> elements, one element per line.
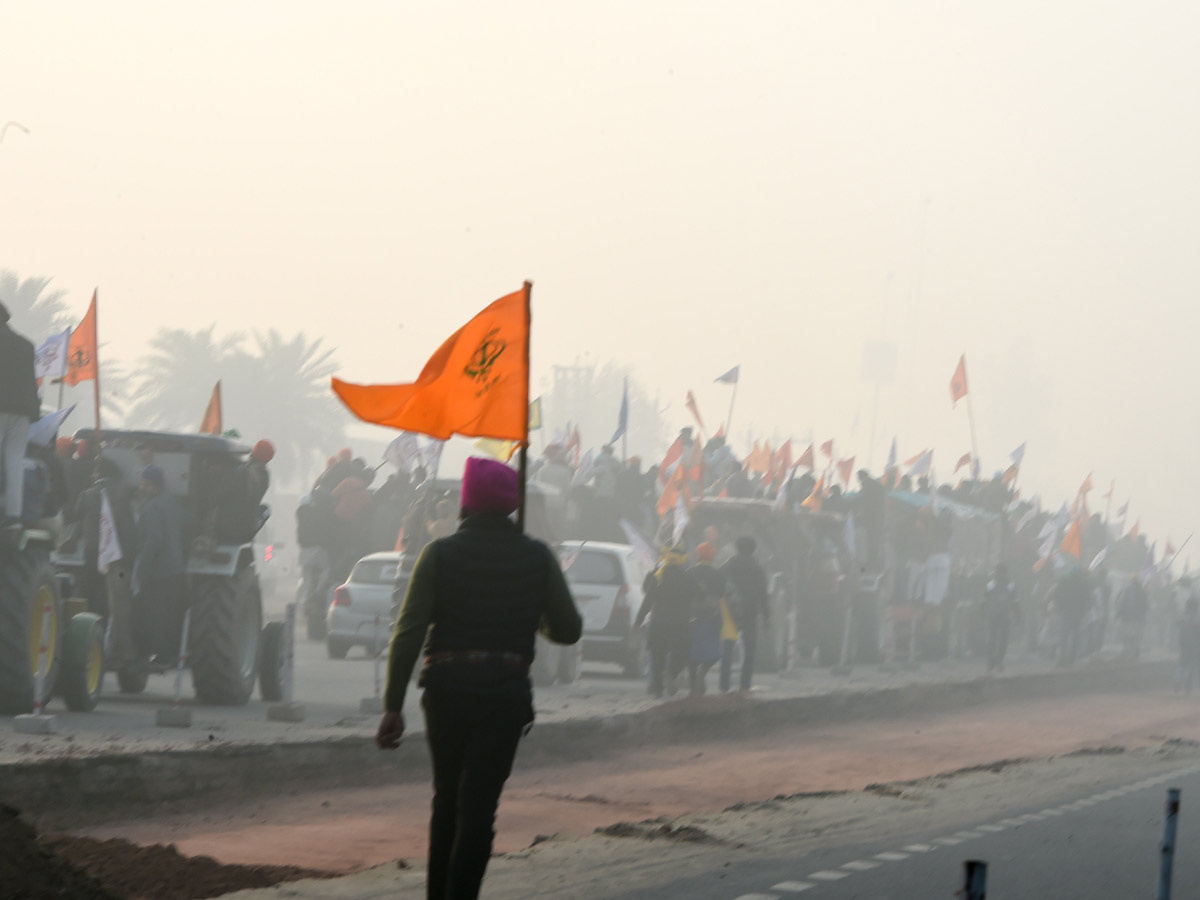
<point>623,418</point>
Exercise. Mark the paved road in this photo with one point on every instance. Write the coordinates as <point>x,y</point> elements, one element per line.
<point>1098,845</point>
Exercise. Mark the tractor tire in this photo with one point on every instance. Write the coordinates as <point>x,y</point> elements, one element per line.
<point>224,641</point>
<point>82,673</point>
<point>337,649</point>
<point>271,664</point>
<point>26,583</point>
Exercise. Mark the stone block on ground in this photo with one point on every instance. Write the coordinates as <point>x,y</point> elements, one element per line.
<point>286,712</point>
<point>31,724</point>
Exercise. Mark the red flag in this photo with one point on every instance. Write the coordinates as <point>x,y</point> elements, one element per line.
<point>691,405</point>
<point>1086,487</point>
<point>211,423</point>
<point>1010,475</point>
<point>1168,550</point>
<point>846,469</point>
<point>82,356</point>
<point>827,448</point>
<point>781,462</point>
<point>1112,487</point>
<point>965,461</point>
<point>958,384</point>
<point>1136,529</point>
<point>909,463</point>
<point>807,459</point>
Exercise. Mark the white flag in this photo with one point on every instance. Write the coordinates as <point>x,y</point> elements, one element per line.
<point>43,431</point>
<point>641,546</point>
<point>570,556</point>
<point>587,467</point>
<point>1017,455</point>
<point>403,451</point>
<point>681,518</point>
<point>891,462</point>
<point>110,547</point>
<point>1098,559</point>
<point>431,456</point>
<point>50,359</point>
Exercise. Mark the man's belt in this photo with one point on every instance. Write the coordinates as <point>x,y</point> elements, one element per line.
<point>476,657</point>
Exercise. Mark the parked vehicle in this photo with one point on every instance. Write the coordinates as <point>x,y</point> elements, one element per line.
<point>606,582</point>
<point>361,614</point>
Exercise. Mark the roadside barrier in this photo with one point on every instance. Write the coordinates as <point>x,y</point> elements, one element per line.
<point>288,710</point>
<point>176,716</point>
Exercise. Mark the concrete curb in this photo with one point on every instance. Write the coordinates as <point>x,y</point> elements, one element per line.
<point>69,792</point>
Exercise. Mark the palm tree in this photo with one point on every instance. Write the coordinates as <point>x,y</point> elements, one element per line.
<point>37,314</point>
<point>280,391</point>
<point>175,379</point>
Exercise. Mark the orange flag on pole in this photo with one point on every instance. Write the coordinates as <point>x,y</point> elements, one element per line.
<point>813,500</point>
<point>807,459</point>
<point>1073,543</point>
<point>476,384</point>
<point>958,384</point>
<point>211,423</point>
<point>82,358</point>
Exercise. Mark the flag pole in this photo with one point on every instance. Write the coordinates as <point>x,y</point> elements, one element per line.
<point>978,466</point>
<point>524,460</point>
<point>96,380</point>
<point>732,400</point>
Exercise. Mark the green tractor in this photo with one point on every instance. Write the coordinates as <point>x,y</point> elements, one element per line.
<point>42,647</point>
<point>228,649</point>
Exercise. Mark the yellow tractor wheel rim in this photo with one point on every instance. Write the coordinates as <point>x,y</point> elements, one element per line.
<point>43,599</point>
<point>95,666</point>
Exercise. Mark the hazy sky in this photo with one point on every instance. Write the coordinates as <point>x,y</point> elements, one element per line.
<point>689,185</point>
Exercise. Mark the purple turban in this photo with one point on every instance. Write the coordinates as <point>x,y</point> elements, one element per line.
<point>489,486</point>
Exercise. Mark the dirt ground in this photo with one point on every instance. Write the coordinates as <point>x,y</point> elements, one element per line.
<point>350,830</point>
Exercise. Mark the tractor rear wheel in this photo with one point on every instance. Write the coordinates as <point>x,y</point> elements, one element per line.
<point>224,640</point>
<point>28,591</point>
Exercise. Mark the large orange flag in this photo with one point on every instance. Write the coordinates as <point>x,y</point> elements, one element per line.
<point>476,384</point>
<point>211,423</point>
<point>82,359</point>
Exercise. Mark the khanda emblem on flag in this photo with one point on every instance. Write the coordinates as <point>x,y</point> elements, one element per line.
<point>484,358</point>
<point>80,359</point>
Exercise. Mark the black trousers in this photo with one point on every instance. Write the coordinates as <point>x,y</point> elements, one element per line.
<point>472,741</point>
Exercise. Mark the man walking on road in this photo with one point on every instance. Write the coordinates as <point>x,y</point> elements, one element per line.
<point>999,608</point>
<point>19,407</point>
<point>749,589</point>
<point>475,601</point>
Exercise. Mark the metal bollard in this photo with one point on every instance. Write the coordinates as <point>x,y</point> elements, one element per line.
<point>289,653</point>
<point>183,656</point>
<point>974,880</point>
<point>374,703</point>
<point>43,663</point>
<point>1168,845</point>
<point>288,710</point>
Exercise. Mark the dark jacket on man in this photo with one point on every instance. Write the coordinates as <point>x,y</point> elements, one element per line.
<point>160,539</point>
<point>749,583</point>
<point>480,596</point>
<point>18,380</point>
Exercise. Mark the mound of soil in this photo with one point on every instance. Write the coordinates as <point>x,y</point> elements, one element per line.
<point>163,873</point>
<point>30,871</point>
<point>63,867</point>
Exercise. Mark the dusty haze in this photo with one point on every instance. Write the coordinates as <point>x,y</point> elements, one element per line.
<point>689,185</point>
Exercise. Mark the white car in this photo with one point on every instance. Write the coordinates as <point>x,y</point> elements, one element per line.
<point>361,612</point>
<point>606,582</point>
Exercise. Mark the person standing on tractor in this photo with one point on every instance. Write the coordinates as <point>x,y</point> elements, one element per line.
<point>19,407</point>
<point>158,572</point>
<point>475,601</point>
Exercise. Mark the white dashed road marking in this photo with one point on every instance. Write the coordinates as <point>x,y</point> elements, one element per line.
<point>829,875</point>
<point>861,865</point>
<point>894,856</point>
